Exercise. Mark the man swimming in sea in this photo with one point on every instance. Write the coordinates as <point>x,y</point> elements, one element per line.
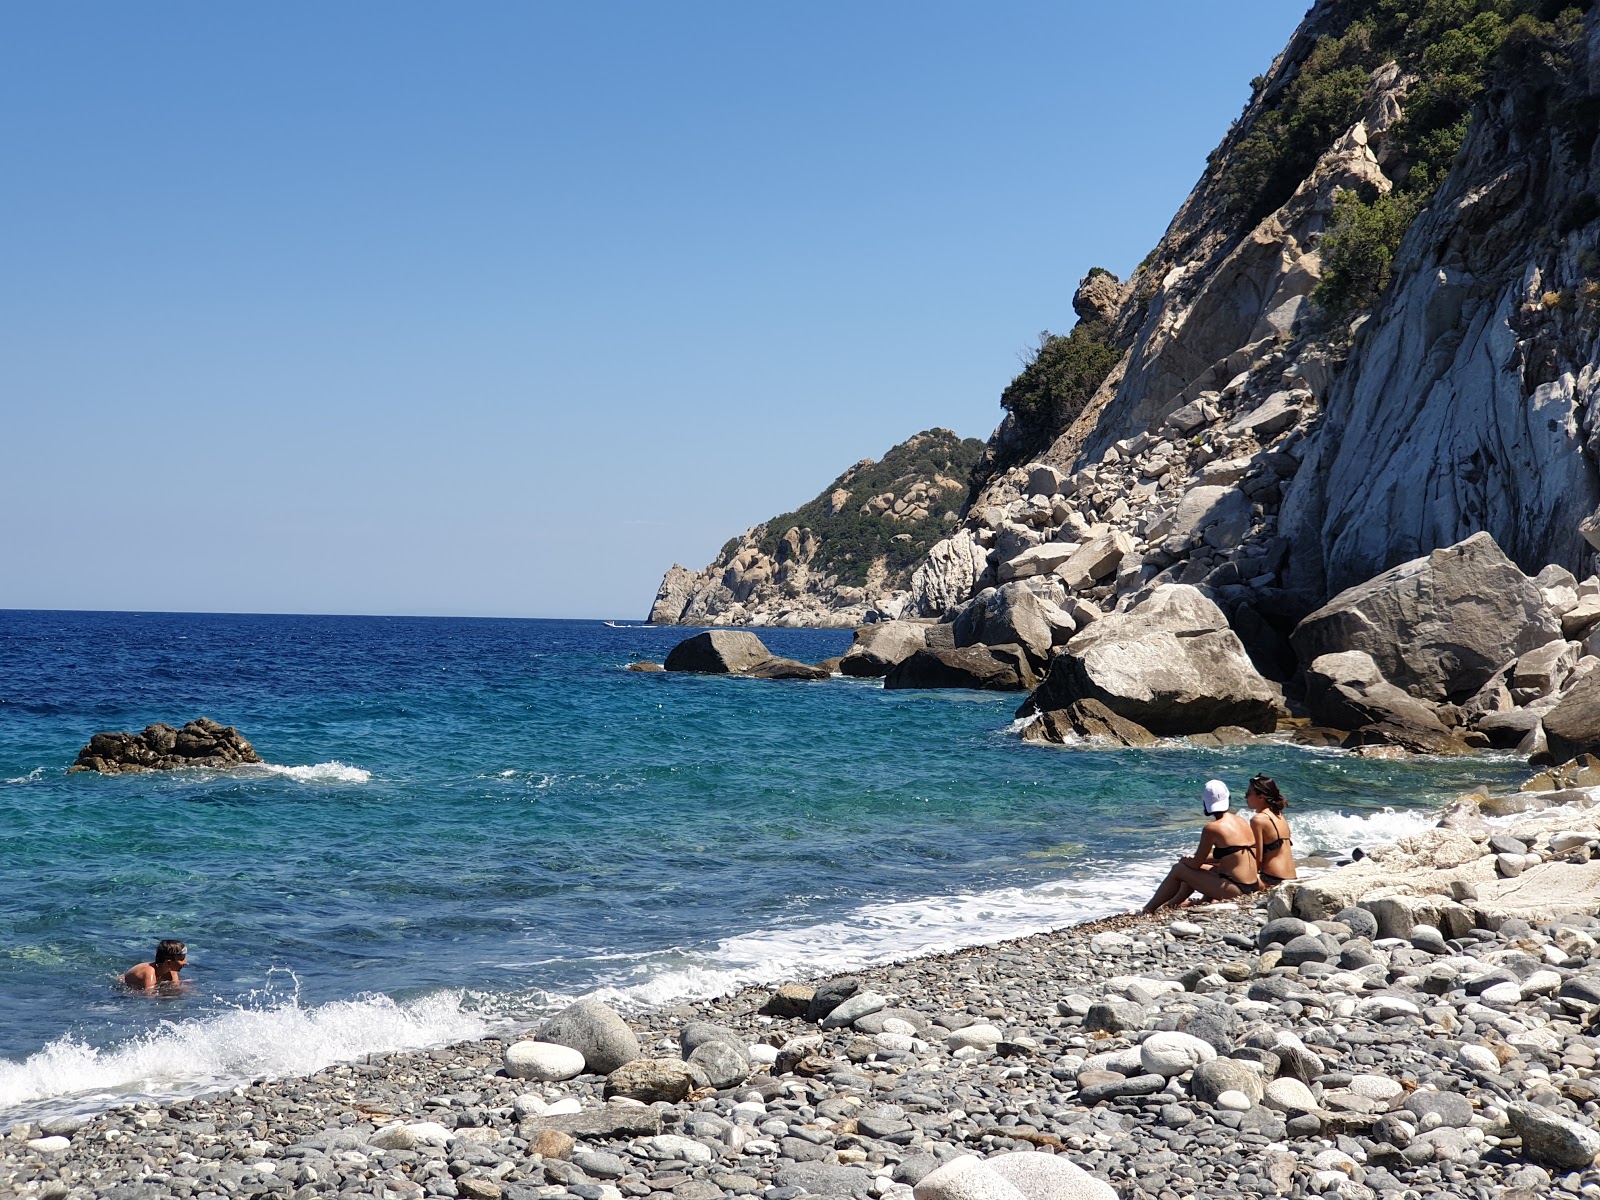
<point>171,957</point>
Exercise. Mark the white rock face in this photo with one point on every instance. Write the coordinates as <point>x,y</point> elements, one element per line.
<point>543,1061</point>
<point>949,575</point>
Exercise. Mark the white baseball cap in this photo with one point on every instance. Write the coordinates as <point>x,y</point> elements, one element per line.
<point>1215,797</point>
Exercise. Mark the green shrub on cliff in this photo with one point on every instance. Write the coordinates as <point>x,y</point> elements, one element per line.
<point>1453,47</point>
<point>849,540</point>
<point>1457,48</point>
<point>1058,378</point>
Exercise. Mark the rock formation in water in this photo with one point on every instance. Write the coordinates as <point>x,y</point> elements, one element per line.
<point>200,743</point>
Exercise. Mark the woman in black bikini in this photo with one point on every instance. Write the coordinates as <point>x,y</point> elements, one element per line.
<point>1274,858</point>
<point>1224,866</point>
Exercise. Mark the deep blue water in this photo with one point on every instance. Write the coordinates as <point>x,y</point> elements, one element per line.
<point>468,821</point>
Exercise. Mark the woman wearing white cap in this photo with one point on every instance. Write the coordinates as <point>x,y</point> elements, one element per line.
<point>1224,867</point>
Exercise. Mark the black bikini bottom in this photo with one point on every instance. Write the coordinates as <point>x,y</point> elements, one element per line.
<point>1253,886</point>
<point>1271,880</point>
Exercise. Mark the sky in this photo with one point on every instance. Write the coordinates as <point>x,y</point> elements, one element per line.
<point>501,309</point>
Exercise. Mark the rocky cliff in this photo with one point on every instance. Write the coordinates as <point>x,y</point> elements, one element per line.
<point>1368,333</point>
<point>847,553</point>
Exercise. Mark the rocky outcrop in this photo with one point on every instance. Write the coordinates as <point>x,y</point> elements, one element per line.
<point>736,652</point>
<point>882,646</point>
<point>1013,614</point>
<point>1170,664</point>
<point>672,597</point>
<point>848,555</point>
<point>1438,626</point>
<point>718,652</point>
<point>984,668</point>
<point>200,743</point>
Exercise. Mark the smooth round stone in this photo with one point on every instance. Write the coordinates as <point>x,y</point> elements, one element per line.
<point>1428,938</point>
<point>1479,1058</point>
<point>1173,1053</point>
<point>762,1053</point>
<point>981,1036</point>
<point>1305,948</point>
<point>1374,1087</point>
<point>50,1145</point>
<point>1055,1175</point>
<point>1233,1101</point>
<point>1289,1095</point>
<point>1361,923</point>
<point>1501,994</point>
<point>895,1041</point>
<point>1282,930</point>
<point>567,1104</point>
<point>1333,1160</point>
<point>546,1062</point>
<point>897,1025</point>
<point>1451,1108</point>
<point>1186,929</point>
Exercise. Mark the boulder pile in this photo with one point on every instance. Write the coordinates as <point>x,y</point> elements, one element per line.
<point>200,743</point>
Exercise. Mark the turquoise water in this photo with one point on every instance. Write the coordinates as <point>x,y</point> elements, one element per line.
<point>467,822</point>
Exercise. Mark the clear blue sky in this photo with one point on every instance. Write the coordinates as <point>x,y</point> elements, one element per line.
<point>501,308</point>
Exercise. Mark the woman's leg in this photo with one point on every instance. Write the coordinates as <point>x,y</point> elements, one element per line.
<point>1171,891</point>
<point>1185,879</point>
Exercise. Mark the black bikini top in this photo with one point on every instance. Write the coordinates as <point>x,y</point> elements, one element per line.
<point>1218,853</point>
<point>1274,847</point>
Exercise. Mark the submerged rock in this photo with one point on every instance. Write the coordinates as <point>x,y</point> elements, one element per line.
<point>200,743</point>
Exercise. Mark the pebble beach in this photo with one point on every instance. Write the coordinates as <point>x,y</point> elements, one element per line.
<point>1229,1050</point>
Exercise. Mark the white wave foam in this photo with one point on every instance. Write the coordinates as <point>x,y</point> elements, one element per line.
<point>183,1058</point>
<point>32,776</point>
<point>1338,832</point>
<point>881,933</point>
<point>328,772</point>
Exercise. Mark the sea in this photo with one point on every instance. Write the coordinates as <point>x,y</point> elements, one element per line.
<point>464,824</point>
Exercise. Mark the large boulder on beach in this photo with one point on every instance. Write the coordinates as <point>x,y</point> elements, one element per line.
<point>200,743</point>
<point>1438,626</point>
<point>718,652</point>
<point>1170,663</point>
<point>1572,727</point>
<point>879,648</point>
<point>985,668</point>
<point>594,1031</point>
<point>1346,691</point>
